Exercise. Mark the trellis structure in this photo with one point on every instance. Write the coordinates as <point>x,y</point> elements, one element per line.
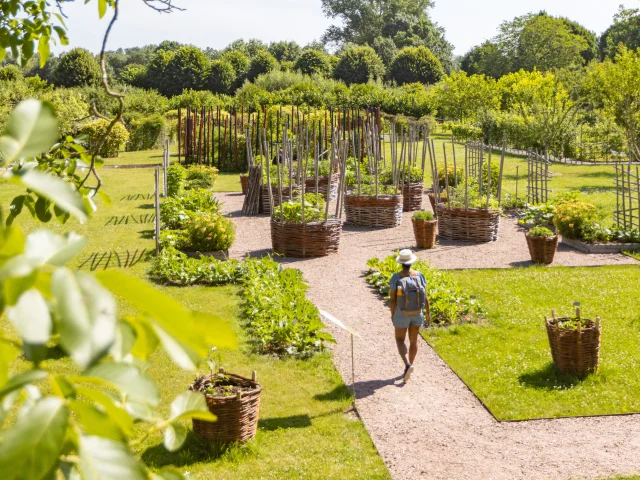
<point>475,159</point>
<point>627,214</point>
<point>538,176</point>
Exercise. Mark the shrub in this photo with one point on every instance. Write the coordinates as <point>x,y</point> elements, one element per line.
<point>572,215</point>
<point>449,303</point>
<point>200,176</point>
<point>10,73</point>
<point>147,132</point>
<point>77,68</point>
<point>423,216</point>
<point>134,74</point>
<point>262,62</point>
<point>455,177</point>
<point>313,61</point>
<point>175,212</point>
<point>96,130</point>
<point>210,232</point>
<point>464,131</point>
<point>416,64</point>
<point>314,209</point>
<point>541,231</point>
<point>222,77</point>
<point>176,175</point>
<point>411,175</point>
<point>359,65</point>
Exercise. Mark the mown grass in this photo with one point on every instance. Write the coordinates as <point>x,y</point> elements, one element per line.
<point>507,362</point>
<point>304,431</point>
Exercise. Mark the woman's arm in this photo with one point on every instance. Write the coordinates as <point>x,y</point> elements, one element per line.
<point>393,297</point>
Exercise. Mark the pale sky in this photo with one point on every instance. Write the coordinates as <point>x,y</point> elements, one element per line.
<point>216,23</point>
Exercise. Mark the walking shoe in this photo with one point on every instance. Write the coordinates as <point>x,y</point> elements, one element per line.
<point>407,373</point>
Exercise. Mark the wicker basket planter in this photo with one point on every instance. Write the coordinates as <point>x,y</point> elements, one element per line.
<point>264,196</point>
<point>368,211</point>
<point>323,185</point>
<point>412,196</point>
<point>244,182</point>
<point>574,351</point>
<point>218,254</point>
<point>542,249</point>
<point>237,415</point>
<point>468,225</point>
<point>425,232</point>
<point>432,201</point>
<point>302,240</point>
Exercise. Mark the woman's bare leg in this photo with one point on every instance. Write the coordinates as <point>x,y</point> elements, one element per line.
<point>401,334</point>
<point>414,331</point>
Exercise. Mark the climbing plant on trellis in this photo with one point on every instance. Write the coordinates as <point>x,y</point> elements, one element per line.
<point>538,176</point>
<point>627,214</point>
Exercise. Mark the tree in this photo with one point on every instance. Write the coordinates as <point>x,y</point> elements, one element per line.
<point>222,77</point>
<point>134,74</point>
<point>76,68</point>
<point>386,49</point>
<point>261,62</point>
<point>591,51</point>
<point>188,68</point>
<point>547,43</point>
<point>240,63</point>
<point>313,61</point>
<point>359,65</point>
<point>156,71</point>
<point>463,97</point>
<point>613,84</point>
<point>285,51</point>
<point>486,59</point>
<point>425,33</point>
<point>624,31</point>
<point>415,64</point>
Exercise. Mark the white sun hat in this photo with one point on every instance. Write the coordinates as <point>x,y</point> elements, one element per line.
<point>406,257</point>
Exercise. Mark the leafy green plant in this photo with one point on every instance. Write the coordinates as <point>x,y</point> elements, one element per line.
<point>571,323</point>
<point>210,232</point>
<point>449,304</point>
<point>537,214</point>
<point>423,215</point>
<point>540,231</point>
<point>593,232</point>
<point>116,139</point>
<point>146,132</point>
<point>460,197</point>
<point>176,175</point>
<point>455,177</point>
<point>370,189</point>
<point>175,212</point>
<point>572,215</point>
<point>314,209</point>
<point>200,176</point>
<point>411,174</point>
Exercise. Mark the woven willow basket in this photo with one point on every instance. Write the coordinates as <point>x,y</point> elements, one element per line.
<point>432,201</point>
<point>237,416</point>
<point>425,232</point>
<point>367,211</point>
<point>412,196</point>
<point>264,196</point>
<point>542,249</point>
<point>468,225</point>
<point>301,240</point>
<point>244,182</point>
<point>575,352</point>
<point>323,185</point>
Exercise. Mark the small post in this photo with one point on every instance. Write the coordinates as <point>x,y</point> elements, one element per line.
<point>598,322</point>
<point>254,376</point>
<point>353,373</point>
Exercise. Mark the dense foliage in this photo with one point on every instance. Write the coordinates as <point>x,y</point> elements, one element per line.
<point>76,68</point>
<point>359,65</point>
<point>115,141</point>
<point>292,211</point>
<point>449,304</point>
<point>415,64</point>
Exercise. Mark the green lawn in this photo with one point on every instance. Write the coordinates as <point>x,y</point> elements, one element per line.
<point>507,362</point>
<point>304,431</point>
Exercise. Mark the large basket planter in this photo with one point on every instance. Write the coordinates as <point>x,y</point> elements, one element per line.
<point>323,185</point>
<point>425,232</point>
<point>237,416</point>
<point>468,224</point>
<point>244,182</point>
<point>412,196</point>
<point>286,196</point>
<point>542,249</point>
<point>369,211</point>
<point>574,351</point>
<point>432,201</point>
<point>302,240</point>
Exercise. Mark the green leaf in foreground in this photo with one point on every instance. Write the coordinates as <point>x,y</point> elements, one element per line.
<point>174,436</point>
<point>30,449</point>
<point>103,459</point>
<point>31,129</point>
<point>191,405</point>
<point>129,380</point>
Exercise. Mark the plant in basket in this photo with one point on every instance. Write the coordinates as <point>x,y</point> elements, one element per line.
<point>575,343</point>
<point>314,209</point>
<point>424,228</point>
<point>542,244</point>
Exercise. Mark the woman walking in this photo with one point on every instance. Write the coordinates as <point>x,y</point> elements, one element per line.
<point>408,301</point>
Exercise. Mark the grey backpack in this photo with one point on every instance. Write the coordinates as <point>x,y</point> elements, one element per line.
<point>414,293</point>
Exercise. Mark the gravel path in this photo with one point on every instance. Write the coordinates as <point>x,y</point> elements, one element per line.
<point>434,427</point>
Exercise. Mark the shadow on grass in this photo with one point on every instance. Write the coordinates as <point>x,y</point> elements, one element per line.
<point>293,421</point>
<point>194,451</point>
<point>341,392</point>
<point>146,206</point>
<point>598,189</point>
<point>601,174</point>
<point>548,378</point>
<point>147,234</point>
